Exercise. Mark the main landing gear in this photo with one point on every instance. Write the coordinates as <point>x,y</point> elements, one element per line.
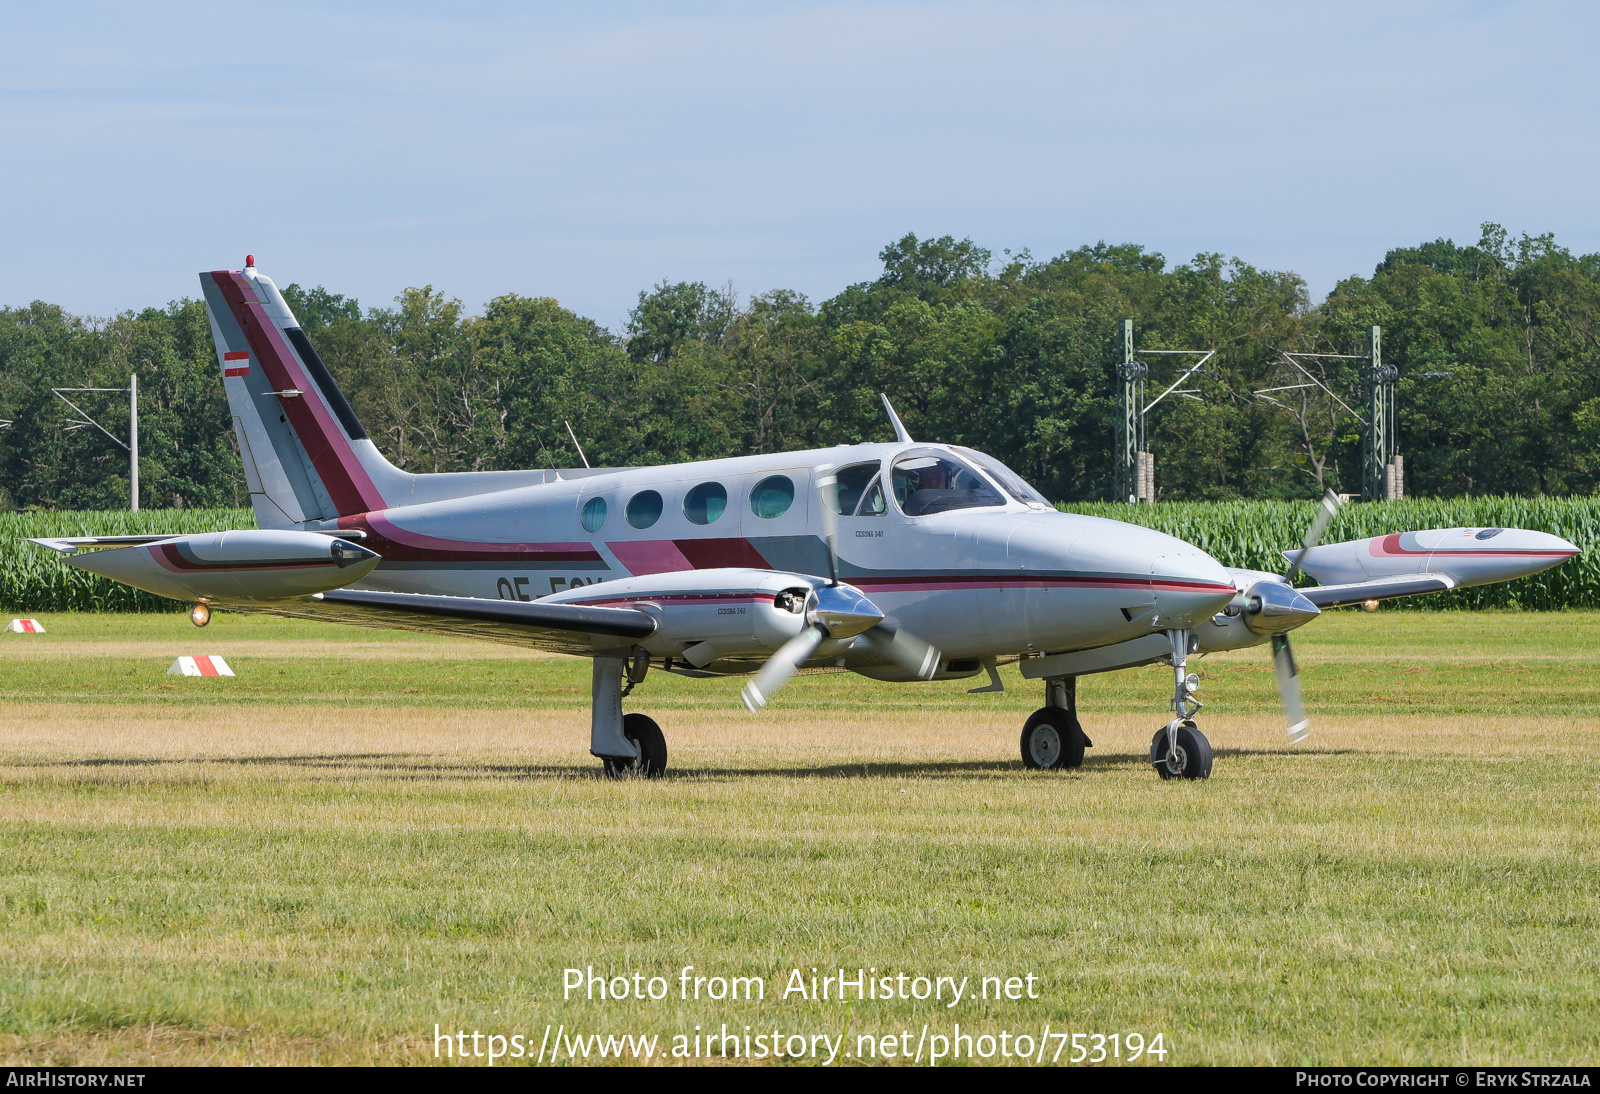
<point>628,745</point>
<point>1052,739</point>
<point>1179,750</point>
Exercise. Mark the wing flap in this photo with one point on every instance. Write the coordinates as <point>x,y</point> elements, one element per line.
<point>555,628</point>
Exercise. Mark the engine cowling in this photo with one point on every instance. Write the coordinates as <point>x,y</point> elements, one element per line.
<point>254,564</point>
<point>731,613</point>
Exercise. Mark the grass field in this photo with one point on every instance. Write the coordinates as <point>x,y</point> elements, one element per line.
<point>367,834</point>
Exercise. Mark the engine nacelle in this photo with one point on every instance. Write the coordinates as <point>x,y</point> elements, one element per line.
<point>715,614</point>
<point>245,565</point>
<point>1472,556</point>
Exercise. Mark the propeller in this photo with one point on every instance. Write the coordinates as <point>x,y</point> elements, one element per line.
<point>839,611</point>
<point>1283,663</point>
<point>781,666</point>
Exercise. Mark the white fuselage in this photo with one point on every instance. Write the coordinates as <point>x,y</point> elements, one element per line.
<point>999,579</point>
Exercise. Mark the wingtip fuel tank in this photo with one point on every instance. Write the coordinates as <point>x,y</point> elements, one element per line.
<point>256,564</point>
<point>1470,556</point>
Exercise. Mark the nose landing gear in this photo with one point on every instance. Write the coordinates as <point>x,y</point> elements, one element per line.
<point>1179,750</point>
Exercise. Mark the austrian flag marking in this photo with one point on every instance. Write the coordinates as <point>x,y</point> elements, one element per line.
<point>200,666</point>
<point>236,362</point>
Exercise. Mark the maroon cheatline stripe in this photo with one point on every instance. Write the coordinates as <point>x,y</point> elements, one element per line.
<point>398,544</point>
<point>697,598</point>
<point>711,554</point>
<point>349,486</point>
<point>167,555</point>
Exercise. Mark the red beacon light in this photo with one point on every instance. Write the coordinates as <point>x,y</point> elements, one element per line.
<point>249,262</point>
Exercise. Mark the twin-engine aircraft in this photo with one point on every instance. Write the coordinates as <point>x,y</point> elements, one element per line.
<point>903,562</point>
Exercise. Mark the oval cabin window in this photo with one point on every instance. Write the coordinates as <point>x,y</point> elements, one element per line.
<point>644,508</point>
<point>593,516</point>
<point>705,503</point>
<point>772,496</point>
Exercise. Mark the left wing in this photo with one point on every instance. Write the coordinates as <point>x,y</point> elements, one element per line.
<point>538,624</point>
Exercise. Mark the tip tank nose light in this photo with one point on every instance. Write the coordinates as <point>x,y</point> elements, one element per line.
<point>199,615</point>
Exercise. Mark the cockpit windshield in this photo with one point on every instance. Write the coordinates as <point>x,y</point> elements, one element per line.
<point>1013,482</point>
<point>926,484</point>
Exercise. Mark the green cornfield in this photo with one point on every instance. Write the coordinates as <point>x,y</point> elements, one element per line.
<point>1242,533</point>
<point>33,578</point>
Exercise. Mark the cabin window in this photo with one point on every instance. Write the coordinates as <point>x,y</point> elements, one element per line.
<point>593,517</point>
<point>844,493</point>
<point>705,503</point>
<point>644,509</point>
<point>772,496</point>
<point>928,484</point>
<point>1489,533</point>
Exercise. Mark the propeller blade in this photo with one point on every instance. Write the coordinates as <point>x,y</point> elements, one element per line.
<point>919,659</point>
<point>1288,674</point>
<point>1325,514</point>
<point>780,667</point>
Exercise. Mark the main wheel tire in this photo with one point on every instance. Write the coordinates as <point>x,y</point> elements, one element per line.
<point>1051,741</point>
<point>651,762</point>
<point>1194,754</point>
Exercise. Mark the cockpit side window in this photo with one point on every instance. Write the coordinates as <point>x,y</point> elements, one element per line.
<point>927,484</point>
<point>1014,483</point>
<point>873,504</point>
<point>844,494</point>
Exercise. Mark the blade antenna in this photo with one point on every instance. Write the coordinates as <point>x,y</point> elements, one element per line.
<point>575,443</point>
<point>1325,514</point>
<point>900,433</point>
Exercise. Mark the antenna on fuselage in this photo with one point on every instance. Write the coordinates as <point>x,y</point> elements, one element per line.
<point>900,433</point>
<point>575,443</point>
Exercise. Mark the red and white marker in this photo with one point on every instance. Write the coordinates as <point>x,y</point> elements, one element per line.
<point>200,666</point>
<point>236,362</point>
<point>25,626</point>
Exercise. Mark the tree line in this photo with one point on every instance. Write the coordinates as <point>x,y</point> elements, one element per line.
<point>1497,346</point>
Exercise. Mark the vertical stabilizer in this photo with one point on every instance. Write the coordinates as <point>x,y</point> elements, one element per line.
<point>306,457</point>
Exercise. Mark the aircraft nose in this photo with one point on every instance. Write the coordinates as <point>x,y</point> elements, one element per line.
<point>1185,584</point>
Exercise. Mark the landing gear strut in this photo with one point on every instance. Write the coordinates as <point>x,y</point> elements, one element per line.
<point>1179,750</point>
<point>628,745</point>
<point>1052,739</point>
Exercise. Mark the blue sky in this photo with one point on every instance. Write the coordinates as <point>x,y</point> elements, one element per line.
<point>587,151</point>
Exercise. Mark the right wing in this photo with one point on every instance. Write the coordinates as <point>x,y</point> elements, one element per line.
<point>1382,588</point>
<point>538,624</point>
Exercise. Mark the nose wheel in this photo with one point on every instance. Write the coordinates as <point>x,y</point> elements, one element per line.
<point>1183,753</point>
